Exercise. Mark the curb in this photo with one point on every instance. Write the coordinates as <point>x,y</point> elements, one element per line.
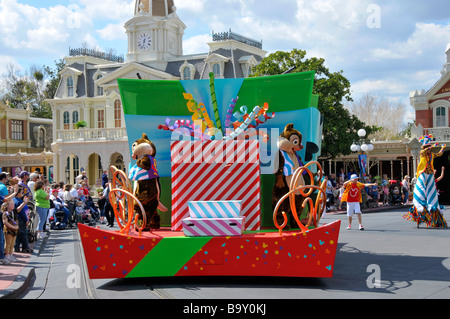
<point>26,275</point>
<point>374,210</point>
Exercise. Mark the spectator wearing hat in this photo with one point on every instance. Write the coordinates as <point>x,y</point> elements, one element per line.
<point>24,177</point>
<point>353,197</point>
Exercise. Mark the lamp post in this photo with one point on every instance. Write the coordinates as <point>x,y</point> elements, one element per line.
<point>363,146</point>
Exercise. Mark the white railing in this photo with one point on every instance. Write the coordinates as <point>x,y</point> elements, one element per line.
<point>441,134</point>
<point>82,134</point>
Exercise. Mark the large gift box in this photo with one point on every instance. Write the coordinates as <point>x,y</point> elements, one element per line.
<point>216,171</point>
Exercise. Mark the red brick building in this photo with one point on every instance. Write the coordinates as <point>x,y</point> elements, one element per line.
<point>432,117</point>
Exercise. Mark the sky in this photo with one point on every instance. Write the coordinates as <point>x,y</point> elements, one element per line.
<point>383,47</point>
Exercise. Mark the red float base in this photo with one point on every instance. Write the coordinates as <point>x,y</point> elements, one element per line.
<point>164,253</point>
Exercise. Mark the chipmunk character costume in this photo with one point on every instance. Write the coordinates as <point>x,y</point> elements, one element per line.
<point>148,188</point>
<point>426,207</point>
<point>287,161</point>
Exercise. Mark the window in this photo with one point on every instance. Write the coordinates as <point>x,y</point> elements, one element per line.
<point>101,118</point>
<point>17,130</point>
<point>441,117</point>
<point>42,135</point>
<point>187,73</point>
<point>72,169</point>
<point>70,86</point>
<point>99,88</point>
<point>66,121</point>
<point>216,69</point>
<point>117,113</point>
<point>75,119</point>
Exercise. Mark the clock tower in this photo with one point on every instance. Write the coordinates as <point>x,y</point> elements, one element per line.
<point>155,33</point>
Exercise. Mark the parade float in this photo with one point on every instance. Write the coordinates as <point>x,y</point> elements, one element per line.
<point>212,146</point>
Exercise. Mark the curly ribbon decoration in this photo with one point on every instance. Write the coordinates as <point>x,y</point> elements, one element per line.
<point>230,111</point>
<point>212,88</point>
<point>263,112</point>
<point>123,202</point>
<point>315,210</point>
<point>186,128</point>
<point>244,126</point>
<point>199,111</point>
<point>239,115</point>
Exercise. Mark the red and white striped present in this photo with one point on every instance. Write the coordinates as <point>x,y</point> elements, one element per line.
<point>216,171</point>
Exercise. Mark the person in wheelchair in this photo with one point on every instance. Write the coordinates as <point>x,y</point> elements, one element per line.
<point>61,213</point>
<point>83,215</point>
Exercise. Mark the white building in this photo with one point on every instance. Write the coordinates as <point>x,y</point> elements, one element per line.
<point>89,92</point>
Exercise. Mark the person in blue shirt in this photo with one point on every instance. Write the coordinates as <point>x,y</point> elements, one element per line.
<point>20,203</point>
<point>3,189</point>
<point>24,177</point>
<point>105,179</point>
<point>6,196</point>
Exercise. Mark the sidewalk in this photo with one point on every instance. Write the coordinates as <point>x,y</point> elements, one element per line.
<point>15,277</point>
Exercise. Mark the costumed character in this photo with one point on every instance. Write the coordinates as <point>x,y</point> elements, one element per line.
<point>145,173</point>
<point>287,161</point>
<point>353,197</point>
<point>426,207</point>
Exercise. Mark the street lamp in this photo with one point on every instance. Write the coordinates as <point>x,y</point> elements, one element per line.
<point>363,145</point>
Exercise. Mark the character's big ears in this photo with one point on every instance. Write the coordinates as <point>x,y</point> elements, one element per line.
<point>311,149</point>
<point>289,127</point>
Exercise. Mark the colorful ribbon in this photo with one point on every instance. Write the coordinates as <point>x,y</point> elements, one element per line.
<point>242,127</point>
<point>199,110</point>
<point>185,128</point>
<point>212,88</point>
<point>263,112</point>
<point>230,112</point>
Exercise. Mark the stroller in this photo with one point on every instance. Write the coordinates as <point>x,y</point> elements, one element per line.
<point>83,215</point>
<point>395,192</point>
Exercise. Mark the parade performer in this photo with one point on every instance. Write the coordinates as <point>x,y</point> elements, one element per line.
<point>353,196</point>
<point>426,207</point>
<point>287,161</point>
<point>145,174</point>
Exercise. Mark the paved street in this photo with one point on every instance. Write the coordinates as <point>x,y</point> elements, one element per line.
<point>390,259</point>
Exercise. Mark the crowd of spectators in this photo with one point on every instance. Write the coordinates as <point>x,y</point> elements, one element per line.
<point>381,194</point>
<point>29,199</point>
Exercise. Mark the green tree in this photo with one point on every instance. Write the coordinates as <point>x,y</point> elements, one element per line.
<point>23,91</point>
<point>53,78</point>
<point>340,127</point>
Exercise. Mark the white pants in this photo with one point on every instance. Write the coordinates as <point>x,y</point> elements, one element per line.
<point>353,208</point>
